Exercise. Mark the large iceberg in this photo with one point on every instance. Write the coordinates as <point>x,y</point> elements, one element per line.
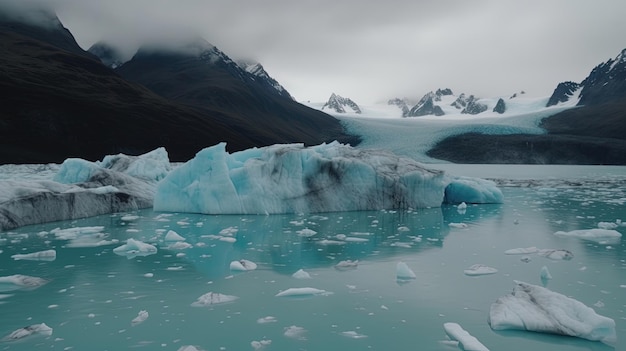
<point>82,188</point>
<point>533,308</point>
<point>291,178</point>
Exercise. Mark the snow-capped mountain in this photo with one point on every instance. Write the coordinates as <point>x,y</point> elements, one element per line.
<point>340,104</point>
<point>402,104</point>
<point>260,75</point>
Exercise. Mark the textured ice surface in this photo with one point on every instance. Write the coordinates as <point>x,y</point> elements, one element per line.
<point>212,298</point>
<point>46,255</point>
<point>301,292</point>
<point>479,269</point>
<point>604,236</point>
<point>141,317</point>
<point>134,248</point>
<point>293,179</point>
<point>534,308</point>
<point>35,329</point>
<point>20,282</point>
<point>403,271</point>
<point>467,341</point>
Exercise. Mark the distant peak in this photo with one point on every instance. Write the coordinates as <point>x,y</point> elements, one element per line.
<point>31,13</point>
<point>339,104</point>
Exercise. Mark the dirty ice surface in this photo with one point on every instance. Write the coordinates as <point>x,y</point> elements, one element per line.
<point>89,295</point>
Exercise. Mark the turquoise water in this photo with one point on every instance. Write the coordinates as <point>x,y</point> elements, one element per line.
<point>94,294</point>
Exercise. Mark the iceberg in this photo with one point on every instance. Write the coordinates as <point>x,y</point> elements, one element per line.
<point>291,178</point>
<point>534,308</point>
<point>82,188</point>
<point>403,272</point>
<point>35,329</point>
<point>468,342</point>
<point>46,255</point>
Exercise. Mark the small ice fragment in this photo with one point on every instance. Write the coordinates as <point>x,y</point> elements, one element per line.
<point>20,282</point>
<point>47,255</point>
<point>603,236</point>
<point>607,225</point>
<point>353,335</point>
<point>295,332</point>
<point>403,272</point>
<point>599,304</point>
<point>179,245</point>
<point>467,341</point>
<point>141,317</point>
<point>211,298</point>
<point>129,218</point>
<point>525,259</point>
<point>134,248</point>
<point>173,236</point>
<point>457,225</point>
<point>149,275</point>
<point>306,232</point>
<point>347,264</point>
<point>301,292</point>
<point>228,239</point>
<point>39,329</point>
<point>556,254</point>
<point>479,269</point>
<point>267,319</point>
<point>301,274</point>
<point>384,307</point>
<point>91,315</point>
<point>403,229</point>
<point>521,251</point>
<point>230,231</point>
<point>242,265</point>
<point>461,208</point>
<point>189,348</point>
<point>261,344</point>
<point>545,273</point>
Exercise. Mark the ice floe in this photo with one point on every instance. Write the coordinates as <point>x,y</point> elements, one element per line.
<point>295,332</point>
<point>21,282</point>
<point>534,308</point>
<point>31,330</point>
<point>353,334</point>
<point>141,317</point>
<point>468,342</point>
<point>457,225</point>
<point>479,269</point>
<point>134,248</point>
<point>260,344</point>
<point>347,264</point>
<point>242,265</point>
<point>301,292</point>
<point>556,254</point>
<point>403,272</point>
<point>46,255</point>
<point>212,298</point>
<point>267,319</point>
<point>522,251</point>
<point>602,236</point>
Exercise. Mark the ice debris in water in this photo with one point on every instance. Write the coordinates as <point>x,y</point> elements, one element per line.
<point>468,342</point>
<point>556,254</point>
<point>20,282</point>
<point>260,344</point>
<point>403,272</point>
<point>608,225</point>
<point>347,264</point>
<point>46,255</point>
<point>522,251</point>
<point>292,178</point>
<point>242,265</point>
<point>35,329</point>
<point>545,273</point>
<point>295,332</point>
<point>173,236</point>
<point>134,248</point>
<point>189,348</point>
<point>306,232</point>
<point>141,317</point>
<point>301,292</point>
<point>602,236</point>
<point>534,308</point>
<point>479,269</point>
<point>211,298</point>
<point>353,334</point>
<point>461,208</point>
<point>267,319</point>
<point>457,225</point>
<point>301,274</point>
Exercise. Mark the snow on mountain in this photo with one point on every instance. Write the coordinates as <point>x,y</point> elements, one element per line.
<point>260,74</point>
<point>340,104</point>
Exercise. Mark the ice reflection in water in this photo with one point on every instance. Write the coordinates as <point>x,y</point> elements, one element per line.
<point>94,294</point>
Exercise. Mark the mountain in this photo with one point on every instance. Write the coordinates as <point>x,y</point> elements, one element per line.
<point>198,74</point>
<point>426,106</point>
<point>605,83</point>
<point>60,101</point>
<point>260,75</point>
<point>110,56</point>
<point>403,104</point>
<point>340,104</point>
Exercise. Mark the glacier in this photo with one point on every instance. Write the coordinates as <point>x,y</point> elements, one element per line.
<point>534,308</point>
<point>292,178</point>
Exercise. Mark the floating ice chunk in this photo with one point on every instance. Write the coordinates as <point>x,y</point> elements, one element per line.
<point>403,272</point>
<point>306,232</point>
<point>295,332</point>
<point>353,334</point>
<point>35,329</point>
<point>91,240</point>
<point>179,245</point>
<point>525,259</point>
<point>301,274</point>
<point>608,236</point>
<point>522,251</point>
<point>47,255</point>
<point>347,264</point>
<point>73,233</point>
<point>301,292</point>
<point>173,236</point>
<point>556,254</point>
<point>534,308</point>
<point>401,244</point>
<point>21,282</point>
<point>457,225</point>
<point>141,317</point>
<point>479,269</point>
<point>261,344</point>
<point>472,190</point>
<point>352,239</point>
<point>467,341</point>
<point>189,348</point>
<point>608,225</point>
<point>330,242</point>
<point>242,265</point>
<point>230,231</point>
<point>211,298</point>
<point>265,320</point>
<point>461,208</point>
<point>134,248</point>
<point>129,218</point>
<point>545,273</point>
<point>403,229</point>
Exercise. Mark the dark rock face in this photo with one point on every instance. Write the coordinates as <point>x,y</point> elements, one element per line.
<point>474,107</point>
<point>338,104</point>
<point>109,56</point>
<point>442,92</point>
<point>260,75</point>
<point>500,106</point>
<point>426,106</point>
<point>563,92</point>
<point>605,83</point>
<point>402,104</point>
<point>460,102</point>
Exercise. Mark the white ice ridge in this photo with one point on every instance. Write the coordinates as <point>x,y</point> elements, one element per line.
<point>533,308</point>
<point>468,342</point>
<point>46,255</point>
<point>35,329</point>
<point>291,178</point>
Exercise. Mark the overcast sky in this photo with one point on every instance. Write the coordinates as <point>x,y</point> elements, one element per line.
<point>374,50</point>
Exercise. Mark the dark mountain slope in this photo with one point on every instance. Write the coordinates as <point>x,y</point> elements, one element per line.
<point>208,80</point>
<point>57,104</point>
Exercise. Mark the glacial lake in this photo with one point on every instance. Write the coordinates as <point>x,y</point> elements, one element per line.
<point>93,294</point>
